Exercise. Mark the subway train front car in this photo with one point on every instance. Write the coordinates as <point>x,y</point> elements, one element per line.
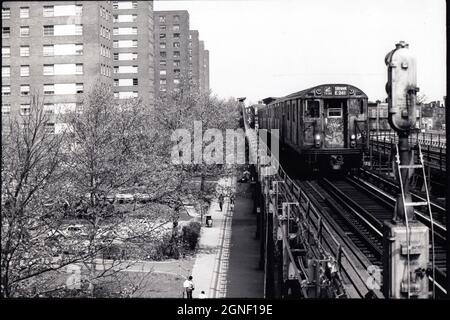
<point>325,125</point>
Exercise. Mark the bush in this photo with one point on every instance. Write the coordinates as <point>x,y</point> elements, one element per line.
<point>191,233</point>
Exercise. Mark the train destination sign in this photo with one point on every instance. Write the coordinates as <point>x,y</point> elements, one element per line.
<point>340,91</point>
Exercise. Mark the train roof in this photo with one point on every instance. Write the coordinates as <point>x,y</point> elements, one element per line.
<point>326,91</point>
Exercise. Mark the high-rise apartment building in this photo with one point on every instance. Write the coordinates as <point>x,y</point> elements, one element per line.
<point>56,49</point>
<point>132,47</point>
<point>179,53</point>
<point>60,49</point>
<point>194,56</point>
<point>171,49</point>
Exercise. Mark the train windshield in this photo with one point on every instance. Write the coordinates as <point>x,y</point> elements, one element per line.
<point>312,109</point>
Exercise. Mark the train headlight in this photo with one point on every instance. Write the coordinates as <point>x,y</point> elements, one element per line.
<point>352,141</point>
<point>318,140</point>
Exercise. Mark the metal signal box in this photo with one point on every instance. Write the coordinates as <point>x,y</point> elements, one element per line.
<point>401,87</point>
<point>396,282</point>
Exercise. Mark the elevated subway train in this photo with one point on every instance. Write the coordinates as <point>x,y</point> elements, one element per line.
<point>326,125</point>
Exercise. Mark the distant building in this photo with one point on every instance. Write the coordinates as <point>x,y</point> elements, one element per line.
<point>171,49</point>
<point>179,53</point>
<point>204,67</point>
<point>378,114</point>
<point>434,115</point>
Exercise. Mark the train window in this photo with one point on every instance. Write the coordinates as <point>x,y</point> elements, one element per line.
<point>288,109</point>
<point>361,106</point>
<point>335,113</point>
<point>312,109</point>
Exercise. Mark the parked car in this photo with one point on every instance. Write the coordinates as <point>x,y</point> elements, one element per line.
<point>142,197</point>
<point>124,197</point>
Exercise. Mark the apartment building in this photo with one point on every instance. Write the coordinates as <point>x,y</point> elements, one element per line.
<point>171,49</point>
<point>194,57</point>
<point>132,42</point>
<point>56,49</point>
<point>60,49</point>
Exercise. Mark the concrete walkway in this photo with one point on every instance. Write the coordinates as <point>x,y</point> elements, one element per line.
<point>244,278</point>
<point>210,264</point>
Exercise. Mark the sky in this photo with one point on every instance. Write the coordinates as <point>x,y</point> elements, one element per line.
<point>263,48</point>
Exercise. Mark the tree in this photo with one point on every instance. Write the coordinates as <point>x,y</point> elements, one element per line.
<point>31,174</point>
<point>179,109</point>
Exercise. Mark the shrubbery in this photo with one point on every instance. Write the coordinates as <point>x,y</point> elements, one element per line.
<point>191,234</point>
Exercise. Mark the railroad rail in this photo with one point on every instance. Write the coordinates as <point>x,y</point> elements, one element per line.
<point>361,215</point>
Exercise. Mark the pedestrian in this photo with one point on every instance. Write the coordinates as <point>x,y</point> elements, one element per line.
<point>232,199</point>
<point>202,295</point>
<point>188,287</point>
<point>221,202</point>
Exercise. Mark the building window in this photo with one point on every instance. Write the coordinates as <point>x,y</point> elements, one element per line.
<point>49,69</point>
<point>162,19</point>
<point>6,13</point>
<point>48,11</point>
<point>163,81</point>
<point>176,81</point>
<point>49,30</point>
<point>79,87</point>
<point>176,44</point>
<point>162,35</point>
<point>162,27</point>
<point>24,12</point>
<point>162,45</point>
<point>6,91</point>
<point>6,52</point>
<point>162,63</point>
<point>176,18</point>
<point>24,51</point>
<point>176,27</point>
<point>49,108</point>
<point>6,109</point>
<point>6,71</point>
<point>50,128</point>
<point>176,36</point>
<point>115,56</point>
<point>25,90</point>
<point>135,82</point>
<point>79,68</point>
<point>49,89</point>
<point>176,63</point>
<point>6,31</point>
<point>24,109</point>
<point>124,18</point>
<point>78,49</point>
<point>25,31</point>
<point>47,50</point>
<point>24,71</point>
<point>162,72</point>
<point>176,54</point>
<point>163,54</point>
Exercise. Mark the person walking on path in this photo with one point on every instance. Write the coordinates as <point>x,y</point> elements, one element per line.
<point>188,287</point>
<point>221,201</point>
<point>202,295</point>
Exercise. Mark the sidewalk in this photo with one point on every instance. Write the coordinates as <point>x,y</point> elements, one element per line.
<point>209,262</point>
<point>244,278</point>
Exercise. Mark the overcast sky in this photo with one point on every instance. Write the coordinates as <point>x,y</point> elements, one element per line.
<point>262,48</point>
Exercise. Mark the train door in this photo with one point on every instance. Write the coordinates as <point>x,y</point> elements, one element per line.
<point>336,123</point>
